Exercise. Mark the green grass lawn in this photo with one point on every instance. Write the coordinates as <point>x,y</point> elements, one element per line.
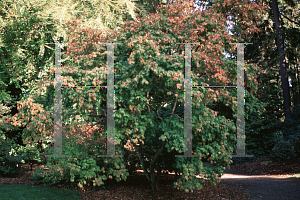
<point>19,192</point>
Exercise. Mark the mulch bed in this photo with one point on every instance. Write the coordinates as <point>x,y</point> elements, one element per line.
<point>289,167</point>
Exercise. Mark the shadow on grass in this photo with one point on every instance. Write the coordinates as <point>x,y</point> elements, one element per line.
<point>17,191</point>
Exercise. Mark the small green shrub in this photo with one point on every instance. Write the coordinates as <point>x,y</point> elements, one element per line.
<point>294,137</point>
<point>30,154</point>
<point>81,169</point>
<point>259,135</point>
<point>10,162</point>
<point>283,148</point>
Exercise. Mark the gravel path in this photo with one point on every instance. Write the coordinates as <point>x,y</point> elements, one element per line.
<point>265,187</point>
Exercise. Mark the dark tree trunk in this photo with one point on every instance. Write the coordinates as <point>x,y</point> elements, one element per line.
<point>283,70</point>
<point>155,178</point>
<point>295,89</point>
<point>154,163</point>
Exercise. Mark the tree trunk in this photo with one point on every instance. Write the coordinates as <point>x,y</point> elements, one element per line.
<point>155,163</point>
<point>295,90</point>
<point>154,179</point>
<point>283,70</point>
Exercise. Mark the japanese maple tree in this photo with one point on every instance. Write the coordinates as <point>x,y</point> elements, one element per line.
<point>149,95</point>
<point>147,78</point>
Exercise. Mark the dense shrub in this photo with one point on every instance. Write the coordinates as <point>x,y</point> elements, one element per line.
<point>283,148</point>
<point>287,138</point>
<point>83,168</point>
<point>216,139</point>
<point>269,137</point>
<point>242,160</point>
<point>10,161</point>
<point>14,156</point>
<point>259,135</point>
<point>31,154</point>
<point>291,129</point>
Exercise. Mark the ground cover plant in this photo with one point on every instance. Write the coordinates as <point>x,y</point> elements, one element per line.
<point>9,160</point>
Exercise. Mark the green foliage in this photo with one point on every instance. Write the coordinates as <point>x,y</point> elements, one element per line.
<point>23,48</point>
<point>254,109</point>
<point>25,59</point>
<point>82,169</point>
<point>291,130</point>
<point>262,141</point>
<point>10,161</point>
<point>13,156</point>
<point>258,129</point>
<point>283,149</point>
<point>259,136</point>
<point>30,154</point>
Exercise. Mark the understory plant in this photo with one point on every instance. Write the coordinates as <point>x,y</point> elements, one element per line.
<point>271,138</point>
<point>81,167</point>
<point>283,148</point>
<point>10,161</point>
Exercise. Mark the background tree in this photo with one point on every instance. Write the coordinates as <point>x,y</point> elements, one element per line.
<point>21,63</point>
<point>97,14</point>
<point>283,69</point>
<point>261,131</point>
<point>105,15</point>
<point>264,53</point>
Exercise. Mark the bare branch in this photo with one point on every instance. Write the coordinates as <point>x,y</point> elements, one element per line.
<point>141,158</point>
<point>148,97</point>
<point>158,152</point>
<point>156,111</point>
<point>158,115</point>
<point>156,155</point>
<point>289,19</point>
<point>175,104</point>
<point>166,89</point>
<point>175,115</point>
